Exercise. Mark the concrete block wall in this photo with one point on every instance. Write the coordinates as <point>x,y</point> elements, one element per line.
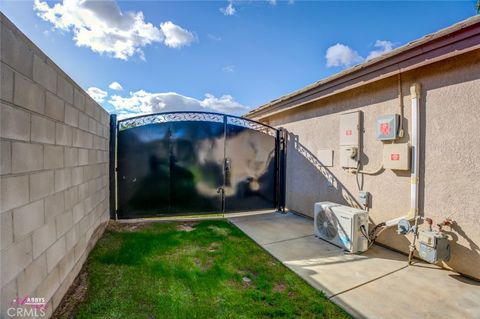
<point>53,174</point>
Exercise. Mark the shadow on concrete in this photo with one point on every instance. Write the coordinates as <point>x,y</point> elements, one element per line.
<point>465,280</point>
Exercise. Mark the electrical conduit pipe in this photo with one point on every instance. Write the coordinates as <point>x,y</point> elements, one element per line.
<point>415,147</point>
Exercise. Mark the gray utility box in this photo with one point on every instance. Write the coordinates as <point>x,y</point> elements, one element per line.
<point>349,139</point>
<point>386,128</point>
<point>364,198</point>
<point>434,246</point>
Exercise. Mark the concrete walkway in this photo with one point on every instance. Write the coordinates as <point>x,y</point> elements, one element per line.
<point>375,284</point>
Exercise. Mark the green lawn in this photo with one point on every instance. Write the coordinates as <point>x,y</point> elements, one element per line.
<point>160,270</point>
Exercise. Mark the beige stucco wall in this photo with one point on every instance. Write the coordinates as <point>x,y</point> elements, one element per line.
<point>53,174</point>
<point>450,167</point>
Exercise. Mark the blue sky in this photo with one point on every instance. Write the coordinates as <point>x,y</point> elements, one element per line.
<point>219,55</point>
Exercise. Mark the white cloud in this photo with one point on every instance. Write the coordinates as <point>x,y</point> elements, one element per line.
<point>383,47</point>
<point>175,36</point>
<point>342,55</point>
<point>228,68</point>
<point>228,10</point>
<point>225,104</point>
<point>115,86</point>
<point>142,102</point>
<point>105,29</point>
<point>97,94</point>
<point>272,2</point>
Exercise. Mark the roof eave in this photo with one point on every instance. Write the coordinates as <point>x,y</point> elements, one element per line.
<point>457,39</point>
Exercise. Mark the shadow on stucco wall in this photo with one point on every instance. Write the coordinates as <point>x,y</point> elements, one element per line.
<point>310,182</point>
<point>314,177</point>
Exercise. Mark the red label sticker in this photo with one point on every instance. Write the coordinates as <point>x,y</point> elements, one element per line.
<point>385,128</point>
<point>395,157</point>
<point>348,133</point>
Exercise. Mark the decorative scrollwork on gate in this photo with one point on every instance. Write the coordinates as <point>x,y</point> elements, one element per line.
<point>194,116</point>
<point>169,117</point>
<point>252,125</point>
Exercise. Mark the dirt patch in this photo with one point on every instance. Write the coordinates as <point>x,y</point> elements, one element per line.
<point>249,273</point>
<point>279,288</point>
<point>248,277</point>
<point>203,265</point>
<point>125,227</point>
<point>220,231</point>
<point>213,247</point>
<point>246,282</point>
<point>75,295</point>
<point>188,227</point>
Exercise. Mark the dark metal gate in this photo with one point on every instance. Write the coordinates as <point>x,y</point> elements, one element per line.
<point>197,162</point>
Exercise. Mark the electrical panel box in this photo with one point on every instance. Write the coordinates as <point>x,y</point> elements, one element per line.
<point>434,246</point>
<point>349,129</point>
<point>349,139</point>
<point>396,156</point>
<point>387,127</point>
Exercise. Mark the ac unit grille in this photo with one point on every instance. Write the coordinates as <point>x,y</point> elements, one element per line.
<point>326,225</point>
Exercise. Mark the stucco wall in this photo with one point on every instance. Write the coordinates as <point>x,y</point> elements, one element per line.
<point>450,168</point>
<point>54,173</point>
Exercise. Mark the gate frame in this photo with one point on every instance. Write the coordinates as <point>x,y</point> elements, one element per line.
<point>112,166</point>
<point>280,152</point>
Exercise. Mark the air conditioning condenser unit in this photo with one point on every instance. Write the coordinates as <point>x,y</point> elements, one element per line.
<point>343,226</point>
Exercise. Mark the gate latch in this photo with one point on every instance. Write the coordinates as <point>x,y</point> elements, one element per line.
<point>228,164</point>
<point>227,167</point>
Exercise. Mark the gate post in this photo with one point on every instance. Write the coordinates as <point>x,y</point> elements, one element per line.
<point>113,166</point>
<point>282,136</point>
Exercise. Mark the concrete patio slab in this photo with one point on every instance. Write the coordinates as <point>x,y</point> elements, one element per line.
<point>375,284</point>
<point>261,229</point>
<point>332,270</point>
<point>415,292</point>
